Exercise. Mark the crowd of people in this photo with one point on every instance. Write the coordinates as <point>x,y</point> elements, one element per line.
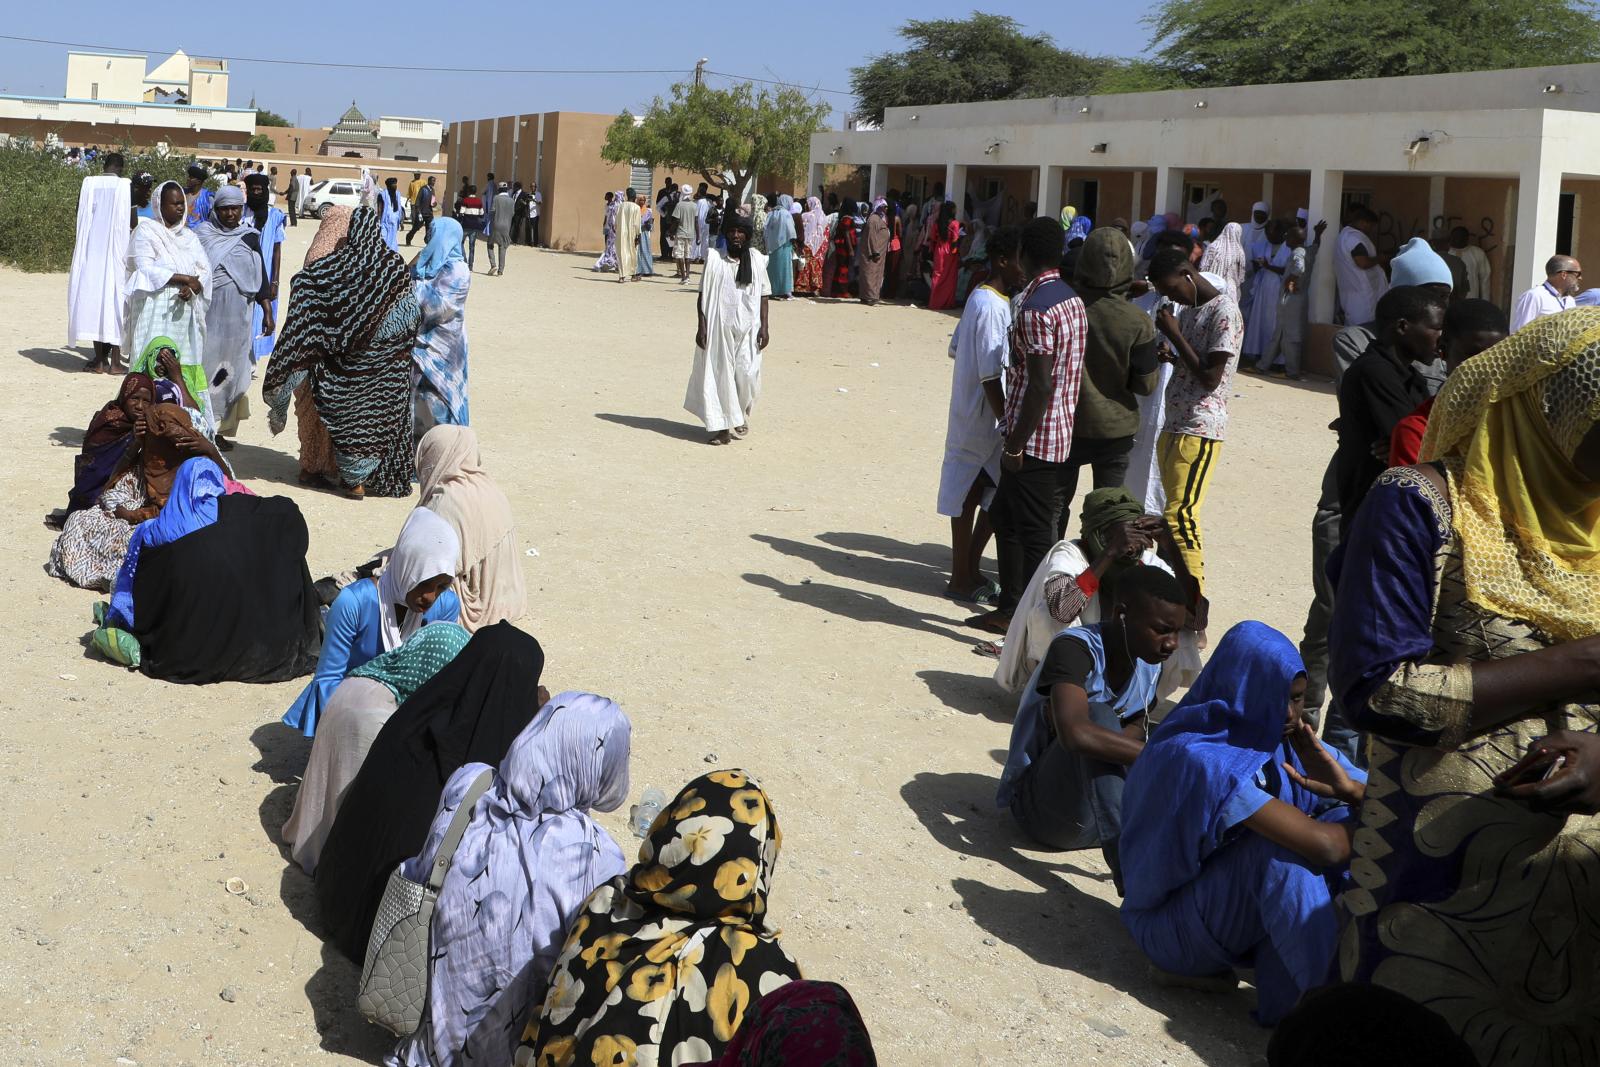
<point>1337,814</point>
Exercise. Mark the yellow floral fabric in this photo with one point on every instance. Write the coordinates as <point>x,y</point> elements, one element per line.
<point>662,964</point>
<point>1506,425</point>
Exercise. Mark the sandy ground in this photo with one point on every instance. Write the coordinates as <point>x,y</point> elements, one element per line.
<point>775,605</point>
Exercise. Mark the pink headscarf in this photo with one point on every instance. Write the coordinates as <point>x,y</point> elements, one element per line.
<point>815,222</point>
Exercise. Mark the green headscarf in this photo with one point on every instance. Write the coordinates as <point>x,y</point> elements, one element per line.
<point>1103,509</point>
<point>420,657</point>
<point>194,374</point>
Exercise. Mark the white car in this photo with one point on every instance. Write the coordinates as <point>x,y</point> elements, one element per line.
<point>341,192</point>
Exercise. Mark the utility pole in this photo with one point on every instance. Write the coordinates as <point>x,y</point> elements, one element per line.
<point>700,71</point>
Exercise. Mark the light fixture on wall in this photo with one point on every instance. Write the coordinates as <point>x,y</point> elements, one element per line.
<point>1551,89</point>
<point>1084,110</point>
<point>913,118</point>
<point>837,150</point>
<point>1099,148</point>
<point>1200,105</point>
<point>992,149</point>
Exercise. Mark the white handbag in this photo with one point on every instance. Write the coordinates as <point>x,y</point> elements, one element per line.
<point>394,979</point>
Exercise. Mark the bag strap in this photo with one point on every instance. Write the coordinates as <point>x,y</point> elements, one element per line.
<point>446,851</point>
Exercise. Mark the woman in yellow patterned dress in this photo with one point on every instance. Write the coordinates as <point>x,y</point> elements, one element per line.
<point>662,964</point>
<point>1464,643</point>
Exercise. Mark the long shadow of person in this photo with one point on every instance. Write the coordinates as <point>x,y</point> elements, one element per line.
<point>331,990</point>
<point>855,604</point>
<point>889,573</point>
<point>63,359</point>
<point>971,694</point>
<point>929,554</point>
<point>1059,925</point>
<point>681,431</point>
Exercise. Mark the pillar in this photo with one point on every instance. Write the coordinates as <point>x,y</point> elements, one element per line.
<point>1538,204</point>
<point>1169,190</point>
<point>1136,212</point>
<point>818,176</point>
<point>955,186</point>
<point>879,183</point>
<point>1327,190</point>
<point>1266,196</point>
<point>1435,204</point>
<point>1049,197</point>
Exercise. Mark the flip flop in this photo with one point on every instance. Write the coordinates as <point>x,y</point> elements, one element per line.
<point>991,649</point>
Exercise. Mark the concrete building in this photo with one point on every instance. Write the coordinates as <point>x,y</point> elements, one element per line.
<point>1512,155</point>
<point>558,150</point>
<point>352,137</point>
<point>412,140</point>
<point>109,97</point>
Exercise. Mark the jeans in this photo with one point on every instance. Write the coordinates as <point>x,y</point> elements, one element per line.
<point>1024,517</point>
<point>472,247</point>
<point>1069,801</point>
<point>1107,457</point>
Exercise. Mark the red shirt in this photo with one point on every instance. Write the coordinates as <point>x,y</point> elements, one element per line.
<point>1406,440</point>
<point>1050,321</point>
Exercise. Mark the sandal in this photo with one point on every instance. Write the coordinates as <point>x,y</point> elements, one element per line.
<point>991,649</point>
<point>355,492</point>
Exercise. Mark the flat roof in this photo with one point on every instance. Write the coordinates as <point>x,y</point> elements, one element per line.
<point>119,103</point>
<point>114,55</point>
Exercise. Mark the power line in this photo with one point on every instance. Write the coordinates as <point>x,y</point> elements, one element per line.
<point>418,70</point>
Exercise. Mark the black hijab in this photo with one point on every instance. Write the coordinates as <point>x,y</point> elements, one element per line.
<point>469,712</point>
<point>735,220</point>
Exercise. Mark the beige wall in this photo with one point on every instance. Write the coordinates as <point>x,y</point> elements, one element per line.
<point>118,77</point>
<point>1487,208</point>
<point>81,134</point>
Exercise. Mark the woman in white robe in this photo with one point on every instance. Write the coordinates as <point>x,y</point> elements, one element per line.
<point>726,380</point>
<point>168,290</point>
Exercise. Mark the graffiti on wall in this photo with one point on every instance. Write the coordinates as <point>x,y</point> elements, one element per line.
<point>1391,232</point>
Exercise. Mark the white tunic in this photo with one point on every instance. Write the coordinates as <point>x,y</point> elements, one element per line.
<point>1359,289</point>
<point>96,303</point>
<point>972,441</point>
<point>726,380</point>
<point>1266,291</point>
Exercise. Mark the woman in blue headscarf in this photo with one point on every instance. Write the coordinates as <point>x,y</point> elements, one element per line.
<point>779,239</point>
<point>439,356</point>
<point>1236,826</point>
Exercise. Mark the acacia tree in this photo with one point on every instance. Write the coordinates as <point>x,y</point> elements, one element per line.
<point>1252,42</point>
<point>727,136</point>
<point>984,57</point>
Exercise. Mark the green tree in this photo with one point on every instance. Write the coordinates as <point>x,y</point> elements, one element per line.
<point>727,136</point>
<point>982,57</point>
<point>261,143</point>
<point>1253,42</point>
<point>269,118</point>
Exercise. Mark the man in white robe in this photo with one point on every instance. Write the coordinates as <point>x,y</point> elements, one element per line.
<point>1256,248</point>
<point>732,331</point>
<point>96,304</point>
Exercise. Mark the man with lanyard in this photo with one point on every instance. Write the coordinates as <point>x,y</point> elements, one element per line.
<point>1048,335</point>
<point>422,202</point>
<point>1563,278</point>
<point>199,197</point>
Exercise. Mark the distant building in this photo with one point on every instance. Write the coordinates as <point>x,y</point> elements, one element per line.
<point>110,97</point>
<point>413,140</point>
<point>352,137</point>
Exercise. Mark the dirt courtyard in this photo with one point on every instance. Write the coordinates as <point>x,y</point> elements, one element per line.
<point>774,605</point>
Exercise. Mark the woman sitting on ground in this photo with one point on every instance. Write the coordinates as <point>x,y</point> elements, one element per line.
<point>469,712</point>
<point>215,587</point>
<point>528,859</point>
<point>1084,716</point>
<point>457,489</point>
<point>108,441</point>
<point>94,540</point>
<point>373,615</point>
<point>1236,828</point>
<point>667,961</point>
<point>1078,579</point>
<point>350,722</point>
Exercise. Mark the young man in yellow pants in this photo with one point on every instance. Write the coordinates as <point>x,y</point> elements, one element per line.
<point>1205,336</point>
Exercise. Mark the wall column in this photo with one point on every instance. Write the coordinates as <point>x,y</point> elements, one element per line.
<point>1327,191</point>
<point>1266,195</point>
<point>955,186</point>
<point>818,177</point>
<point>1538,204</point>
<point>1169,190</point>
<point>879,183</point>
<point>1049,197</point>
<point>1435,204</point>
<point>1137,210</point>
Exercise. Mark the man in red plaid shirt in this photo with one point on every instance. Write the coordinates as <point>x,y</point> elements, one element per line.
<point>1047,340</point>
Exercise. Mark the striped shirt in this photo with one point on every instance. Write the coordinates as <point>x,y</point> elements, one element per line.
<point>1050,322</point>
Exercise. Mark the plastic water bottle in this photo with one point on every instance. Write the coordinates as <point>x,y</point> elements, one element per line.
<point>643,814</point>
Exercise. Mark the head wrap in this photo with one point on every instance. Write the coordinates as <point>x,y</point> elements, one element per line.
<point>684,934</point>
<point>1080,228</point>
<point>1301,214</point>
<point>228,196</point>
<point>426,548</point>
<point>1506,425</point>
<point>455,487</point>
<point>1068,213</point>
<point>334,226</point>
<point>442,249</point>
<point>257,178</point>
<point>685,191</point>
<point>1103,509</point>
<point>802,1024</point>
<point>1261,206</point>
<point>1225,257</point>
<point>1418,264</point>
<point>732,220</point>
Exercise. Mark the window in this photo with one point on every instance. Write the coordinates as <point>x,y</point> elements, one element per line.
<point>639,176</point>
<point>1566,213</point>
<point>94,90</point>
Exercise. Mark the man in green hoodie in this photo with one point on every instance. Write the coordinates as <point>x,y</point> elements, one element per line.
<point>1119,364</point>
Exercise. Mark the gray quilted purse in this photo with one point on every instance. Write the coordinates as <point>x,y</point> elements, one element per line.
<point>394,979</point>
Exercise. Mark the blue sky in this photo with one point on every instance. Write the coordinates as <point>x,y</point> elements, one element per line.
<point>563,34</point>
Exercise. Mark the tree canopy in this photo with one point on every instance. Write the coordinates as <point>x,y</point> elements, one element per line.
<point>269,118</point>
<point>726,136</point>
<point>261,143</point>
<point>1202,43</point>
<point>982,57</point>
